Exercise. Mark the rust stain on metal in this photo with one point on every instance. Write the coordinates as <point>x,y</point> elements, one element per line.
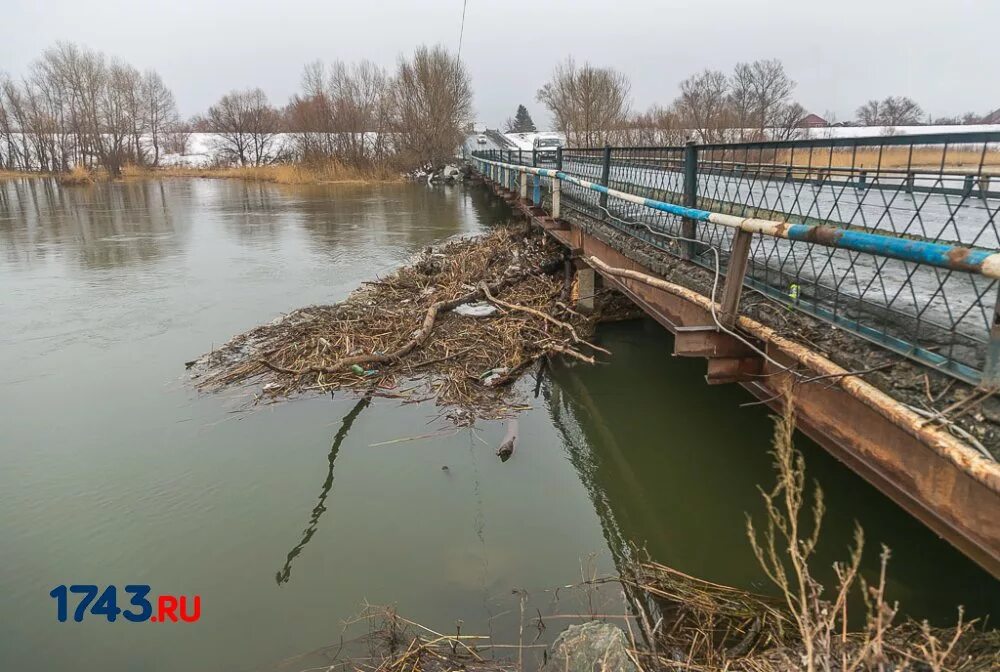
<point>824,235</point>
<point>957,259</point>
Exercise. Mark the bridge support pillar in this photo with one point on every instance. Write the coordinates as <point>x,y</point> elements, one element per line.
<point>586,285</point>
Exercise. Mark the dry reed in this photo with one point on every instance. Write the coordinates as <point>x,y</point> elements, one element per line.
<point>330,172</point>
<point>895,157</point>
<point>78,176</point>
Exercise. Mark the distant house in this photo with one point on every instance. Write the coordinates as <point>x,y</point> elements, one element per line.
<point>812,121</point>
<point>992,118</point>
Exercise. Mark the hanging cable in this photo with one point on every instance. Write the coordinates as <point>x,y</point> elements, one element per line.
<point>461,32</point>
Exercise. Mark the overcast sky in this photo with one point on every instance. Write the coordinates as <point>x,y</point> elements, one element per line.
<point>943,53</point>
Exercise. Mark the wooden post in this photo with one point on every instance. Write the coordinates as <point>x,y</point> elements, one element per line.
<point>586,284</point>
<point>739,255</point>
<point>991,367</point>
<point>557,187</point>
<point>556,196</point>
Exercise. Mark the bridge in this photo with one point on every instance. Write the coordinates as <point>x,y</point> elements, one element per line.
<point>861,271</point>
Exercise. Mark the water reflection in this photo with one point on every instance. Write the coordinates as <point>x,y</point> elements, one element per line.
<point>113,225</point>
<point>285,573</point>
<point>106,225</point>
<point>673,465</point>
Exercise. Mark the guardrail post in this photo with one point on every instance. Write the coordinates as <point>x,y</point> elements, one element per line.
<point>688,228</point>
<point>739,256</point>
<point>970,182</point>
<point>520,156</point>
<point>991,368</point>
<point>909,182</point>
<point>605,178</point>
<point>524,185</point>
<point>536,181</point>
<point>557,187</point>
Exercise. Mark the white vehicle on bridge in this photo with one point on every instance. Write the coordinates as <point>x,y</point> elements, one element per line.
<point>545,147</point>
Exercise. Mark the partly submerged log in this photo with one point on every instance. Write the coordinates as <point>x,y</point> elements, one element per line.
<point>509,443</point>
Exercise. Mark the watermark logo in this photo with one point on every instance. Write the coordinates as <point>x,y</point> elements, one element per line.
<point>141,607</point>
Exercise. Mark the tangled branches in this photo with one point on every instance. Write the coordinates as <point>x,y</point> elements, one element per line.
<point>406,327</point>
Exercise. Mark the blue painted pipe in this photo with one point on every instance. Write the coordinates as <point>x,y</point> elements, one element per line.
<point>953,257</point>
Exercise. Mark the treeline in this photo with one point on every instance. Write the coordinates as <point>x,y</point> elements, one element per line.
<point>76,107</point>
<point>592,106</point>
<point>364,115</point>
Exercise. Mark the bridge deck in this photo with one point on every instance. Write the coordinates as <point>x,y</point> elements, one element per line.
<point>861,418</point>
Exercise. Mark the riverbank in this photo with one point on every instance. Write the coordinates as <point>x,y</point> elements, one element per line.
<point>284,173</point>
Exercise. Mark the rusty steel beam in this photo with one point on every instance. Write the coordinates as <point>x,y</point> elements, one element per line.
<point>958,503</point>
<point>707,341</point>
<point>722,370</point>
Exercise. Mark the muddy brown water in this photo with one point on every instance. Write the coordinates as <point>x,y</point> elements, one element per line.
<point>115,472</point>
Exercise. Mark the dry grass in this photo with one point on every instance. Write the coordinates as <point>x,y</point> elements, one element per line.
<point>925,158</point>
<point>332,172</point>
<point>78,176</point>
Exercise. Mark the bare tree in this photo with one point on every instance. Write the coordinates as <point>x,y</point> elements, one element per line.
<point>177,137</point>
<point>589,104</point>
<point>431,104</point>
<point>656,126</point>
<point>703,105</point>
<point>759,97</point>
<point>869,114</point>
<point>74,108</point>
<point>344,112</point>
<point>246,127</point>
<point>891,111</point>
<point>160,111</point>
<point>901,111</point>
<point>361,111</point>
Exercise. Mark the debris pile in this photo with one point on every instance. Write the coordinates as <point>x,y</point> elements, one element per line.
<point>457,326</point>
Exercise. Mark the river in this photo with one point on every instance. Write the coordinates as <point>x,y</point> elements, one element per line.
<point>113,470</point>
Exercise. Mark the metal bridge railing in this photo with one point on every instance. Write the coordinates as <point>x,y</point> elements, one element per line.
<point>883,237</point>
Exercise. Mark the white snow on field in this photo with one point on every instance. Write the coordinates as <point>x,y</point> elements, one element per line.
<point>882,131</point>
<point>202,149</point>
<point>525,141</point>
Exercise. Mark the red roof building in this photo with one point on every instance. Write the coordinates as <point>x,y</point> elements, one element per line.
<point>812,121</point>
